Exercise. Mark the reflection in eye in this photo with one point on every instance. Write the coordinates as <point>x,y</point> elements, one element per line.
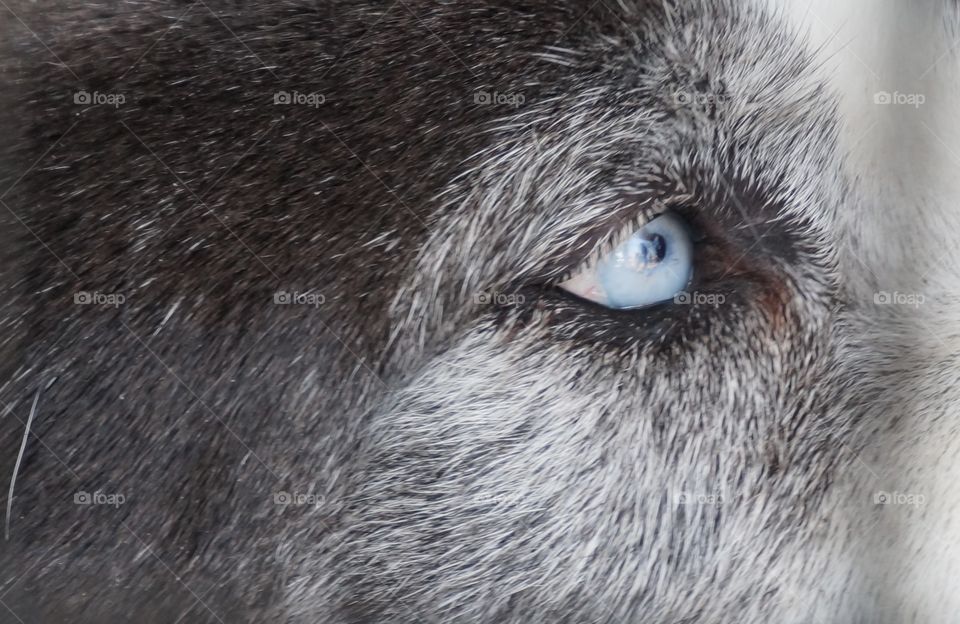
<point>650,267</point>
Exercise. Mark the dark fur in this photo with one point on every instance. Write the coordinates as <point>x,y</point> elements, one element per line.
<point>200,194</point>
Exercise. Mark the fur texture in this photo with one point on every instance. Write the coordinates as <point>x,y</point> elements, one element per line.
<point>430,430</point>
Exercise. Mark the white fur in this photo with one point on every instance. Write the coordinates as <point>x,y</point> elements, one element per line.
<point>903,239</point>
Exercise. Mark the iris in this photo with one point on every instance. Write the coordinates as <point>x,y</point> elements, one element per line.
<point>652,266</point>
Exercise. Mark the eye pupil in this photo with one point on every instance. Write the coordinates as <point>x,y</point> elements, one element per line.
<point>650,251</point>
<point>658,245</point>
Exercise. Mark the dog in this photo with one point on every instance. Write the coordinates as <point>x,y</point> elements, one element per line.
<point>289,334</point>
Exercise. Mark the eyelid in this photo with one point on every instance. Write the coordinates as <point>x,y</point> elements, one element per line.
<point>613,237</point>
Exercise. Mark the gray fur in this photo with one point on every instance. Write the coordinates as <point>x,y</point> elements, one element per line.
<point>544,460</point>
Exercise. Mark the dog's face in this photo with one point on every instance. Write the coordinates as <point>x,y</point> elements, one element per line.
<point>536,453</point>
<point>343,237</point>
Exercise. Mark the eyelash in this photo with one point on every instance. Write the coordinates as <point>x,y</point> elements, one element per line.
<point>607,244</point>
<point>577,319</point>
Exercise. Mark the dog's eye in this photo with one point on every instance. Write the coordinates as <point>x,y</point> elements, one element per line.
<point>652,266</point>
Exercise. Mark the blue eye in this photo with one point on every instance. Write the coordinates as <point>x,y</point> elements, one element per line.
<point>653,265</point>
